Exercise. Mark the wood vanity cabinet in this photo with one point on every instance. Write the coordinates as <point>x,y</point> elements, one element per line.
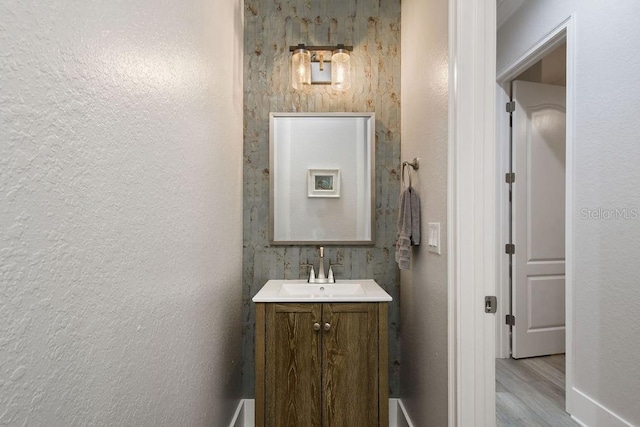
<point>323,365</point>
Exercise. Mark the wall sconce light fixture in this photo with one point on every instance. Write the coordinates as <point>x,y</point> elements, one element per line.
<point>310,65</point>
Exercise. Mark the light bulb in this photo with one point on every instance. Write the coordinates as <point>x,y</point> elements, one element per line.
<point>300,68</point>
<point>340,70</point>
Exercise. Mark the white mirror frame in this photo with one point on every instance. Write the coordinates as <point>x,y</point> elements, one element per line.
<point>369,140</point>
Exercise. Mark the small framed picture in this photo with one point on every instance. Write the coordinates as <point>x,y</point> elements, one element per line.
<point>324,183</point>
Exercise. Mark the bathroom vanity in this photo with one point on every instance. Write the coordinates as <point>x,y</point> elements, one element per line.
<point>321,345</point>
<point>321,354</point>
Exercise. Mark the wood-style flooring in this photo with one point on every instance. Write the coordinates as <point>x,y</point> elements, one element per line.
<point>530,392</point>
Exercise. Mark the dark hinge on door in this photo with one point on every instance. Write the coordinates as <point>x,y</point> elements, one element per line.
<point>510,248</point>
<point>510,320</point>
<point>510,177</point>
<point>511,106</point>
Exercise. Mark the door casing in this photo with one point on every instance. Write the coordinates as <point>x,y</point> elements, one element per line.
<point>563,33</point>
<point>472,204</point>
<point>503,95</point>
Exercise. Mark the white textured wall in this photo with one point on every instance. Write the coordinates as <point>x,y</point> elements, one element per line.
<point>423,289</point>
<point>606,285</point>
<point>120,212</point>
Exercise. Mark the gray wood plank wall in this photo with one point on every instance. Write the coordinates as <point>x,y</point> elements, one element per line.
<point>271,26</point>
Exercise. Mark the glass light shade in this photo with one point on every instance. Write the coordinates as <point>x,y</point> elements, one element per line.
<point>340,70</point>
<point>300,68</point>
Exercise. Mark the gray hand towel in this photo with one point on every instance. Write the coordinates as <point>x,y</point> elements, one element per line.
<point>408,226</point>
<point>403,241</point>
<point>415,217</point>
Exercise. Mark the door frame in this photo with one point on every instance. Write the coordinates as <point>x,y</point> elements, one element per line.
<point>473,174</point>
<point>563,33</point>
<point>471,212</point>
<point>503,95</point>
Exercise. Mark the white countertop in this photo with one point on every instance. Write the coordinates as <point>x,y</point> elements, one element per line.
<point>341,291</point>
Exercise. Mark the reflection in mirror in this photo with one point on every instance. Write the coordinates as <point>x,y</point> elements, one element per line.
<point>322,168</point>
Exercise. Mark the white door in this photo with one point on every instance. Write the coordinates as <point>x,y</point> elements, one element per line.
<point>538,276</point>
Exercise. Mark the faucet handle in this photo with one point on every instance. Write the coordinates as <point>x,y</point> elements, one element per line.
<point>312,272</point>
<point>330,277</point>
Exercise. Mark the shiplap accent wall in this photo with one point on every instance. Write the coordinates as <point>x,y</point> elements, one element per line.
<point>373,28</point>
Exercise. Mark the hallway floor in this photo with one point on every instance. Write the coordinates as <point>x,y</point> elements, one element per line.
<point>531,392</point>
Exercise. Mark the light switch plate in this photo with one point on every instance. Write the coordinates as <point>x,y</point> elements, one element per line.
<point>433,237</point>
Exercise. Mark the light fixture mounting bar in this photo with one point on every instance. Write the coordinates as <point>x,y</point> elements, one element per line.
<point>314,48</point>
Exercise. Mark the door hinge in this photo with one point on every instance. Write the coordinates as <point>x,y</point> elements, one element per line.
<point>510,320</point>
<point>511,106</point>
<point>490,304</point>
<point>510,177</point>
<point>510,248</point>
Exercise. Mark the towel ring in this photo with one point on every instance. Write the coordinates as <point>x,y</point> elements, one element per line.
<point>404,166</point>
<point>415,165</point>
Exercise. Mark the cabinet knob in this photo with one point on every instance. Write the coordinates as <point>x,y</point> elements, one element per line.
<point>316,326</point>
<point>327,326</point>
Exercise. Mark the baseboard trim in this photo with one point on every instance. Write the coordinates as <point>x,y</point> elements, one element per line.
<point>588,412</point>
<point>238,419</point>
<point>402,418</point>
<point>245,414</point>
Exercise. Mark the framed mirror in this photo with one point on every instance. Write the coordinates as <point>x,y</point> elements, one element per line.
<point>322,178</point>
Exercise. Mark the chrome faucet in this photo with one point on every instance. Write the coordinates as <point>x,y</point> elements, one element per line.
<point>321,277</point>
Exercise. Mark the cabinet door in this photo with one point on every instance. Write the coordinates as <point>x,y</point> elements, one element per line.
<point>350,365</point>
<point>292,376</point>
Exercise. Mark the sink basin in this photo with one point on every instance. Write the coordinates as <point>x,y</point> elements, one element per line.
<point>341,291</point>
